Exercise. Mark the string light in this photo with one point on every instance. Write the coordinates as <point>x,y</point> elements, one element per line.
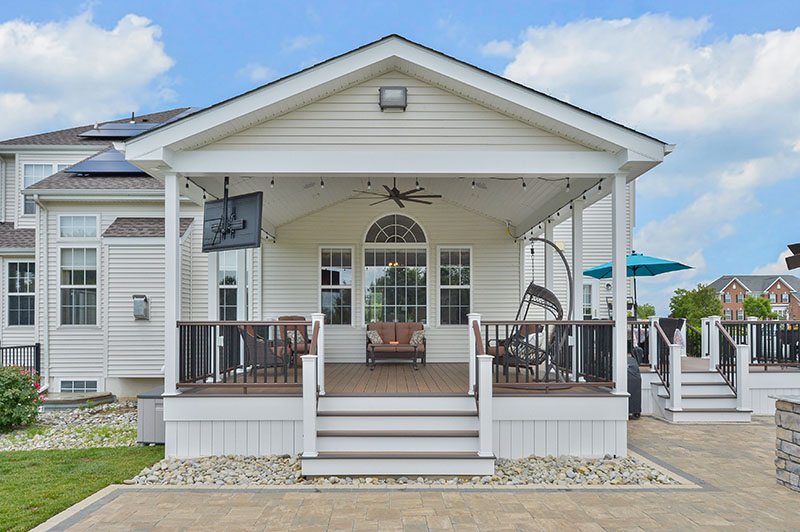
<point>416,183</point>
<point>369,184</point>
<point>567,184</point>
<point>524,184</point>
<point>187,183</point>
<point>272,183</point>
<point>473,184</point>
<point>600,187</point>
<point>321,183</point>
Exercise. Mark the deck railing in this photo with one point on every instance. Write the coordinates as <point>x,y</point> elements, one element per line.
<point>27,357</point>
<point>771,343</point>
<point>727,355</point>
<point>544,354</point>
<point>694,342</point>
<point>243,353</point>
<point>662,362</point>
<point>638,335</point>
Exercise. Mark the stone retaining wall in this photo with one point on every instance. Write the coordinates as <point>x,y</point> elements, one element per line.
<point>787,444</point>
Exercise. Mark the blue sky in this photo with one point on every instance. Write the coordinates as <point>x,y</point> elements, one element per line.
<point>719,79</point>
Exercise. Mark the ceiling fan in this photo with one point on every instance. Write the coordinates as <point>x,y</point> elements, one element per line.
<point>393,194</point>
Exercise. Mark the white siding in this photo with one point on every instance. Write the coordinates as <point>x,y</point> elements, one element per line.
<point>434,119</point>
<point>135,347</point>
<point>291,272</point>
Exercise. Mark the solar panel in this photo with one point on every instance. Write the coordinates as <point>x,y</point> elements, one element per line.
<point>119,130</point>
<point>110,162</point>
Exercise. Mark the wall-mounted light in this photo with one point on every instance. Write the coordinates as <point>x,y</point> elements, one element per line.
<point>393,98</point>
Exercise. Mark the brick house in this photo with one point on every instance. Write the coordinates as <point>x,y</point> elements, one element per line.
<point>781,290</point>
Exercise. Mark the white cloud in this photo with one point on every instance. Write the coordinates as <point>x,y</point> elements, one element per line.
<point>300,42</point>
<point>75,72</point>
<point>498,48</point>
<point>652,72</point>
<point>256,72</point>
<point>772,268</point>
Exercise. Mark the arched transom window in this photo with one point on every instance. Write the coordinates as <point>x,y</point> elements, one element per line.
<point>395,228</point>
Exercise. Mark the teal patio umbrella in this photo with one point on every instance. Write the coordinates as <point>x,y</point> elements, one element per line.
<point>638,266</point>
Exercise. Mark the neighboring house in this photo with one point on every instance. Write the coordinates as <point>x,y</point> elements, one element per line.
<point>782,291</point>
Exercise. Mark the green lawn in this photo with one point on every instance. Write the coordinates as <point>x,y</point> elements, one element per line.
<point>36,485</point>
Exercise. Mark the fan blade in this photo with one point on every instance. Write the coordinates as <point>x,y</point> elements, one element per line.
<point>399,203</point>
<point>369,192</point>
<point>424,196</point>
<point>418,201</point>
<point>381,201</point>
<point>412,190</point>
<point>389,190</point>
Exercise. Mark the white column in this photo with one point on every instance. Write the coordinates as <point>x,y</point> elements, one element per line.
<point>309,405</point>
<point>472,318</point>
<point>319,317</point>
<point>485,405</point>
<point>713,342</point>
<point>652,343</point>
<point>619,277</point>
<point>213,286</point>
<point>172,281</point>
<point>577,275</point>
<point>704,331</point>
<point>548,258</point>
<point>742,377</point>
<point>675,376</point>
<point>751,337</point>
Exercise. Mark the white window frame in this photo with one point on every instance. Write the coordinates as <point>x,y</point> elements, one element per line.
<point>395,246</point>
<point>234,287</point>
<point>739,297</point>
<point>727,298</point>
<point>439,287</point>
<point>353,292</point>
<point>785,297</point>
<point>82,379</point>
<point>594,284</point>
<point>60,238</point>
<point>740,314</point>
<point>54,168</point>
<point>728,314</point>
<point>98,261</point>
<point>9,294</point>
<point>773,297</point>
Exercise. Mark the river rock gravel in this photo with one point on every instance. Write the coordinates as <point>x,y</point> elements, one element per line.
<point>286,470</point>
<point>108,425</point>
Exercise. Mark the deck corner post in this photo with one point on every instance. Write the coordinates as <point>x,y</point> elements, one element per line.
<point>713,342</point>
<point>485,414</point>
<point>675,376</point>
<point>704,334</point>
<point>652,342</point>
<point>619,274</point>
<point>577,285</point>
<point>742,377</point>
<point>172,295</point>
<point>319,317</point>
<point>472,318</point>
<point>309,405</point>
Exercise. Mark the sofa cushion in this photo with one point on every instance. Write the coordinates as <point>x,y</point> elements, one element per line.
<point>410,348</point>
<point>385,329</point>
<point>385,349</point>
<point>417,337</point>
<point>405,330</point>
<point>374,337</point>
<point>285,328</point>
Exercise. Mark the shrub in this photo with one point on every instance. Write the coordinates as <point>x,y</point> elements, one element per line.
<point>19,397</point>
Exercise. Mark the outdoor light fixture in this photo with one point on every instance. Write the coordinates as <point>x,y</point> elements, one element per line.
<point>369,184</point>
<point>393,98</point>
<point>321,183</point>
<point>473,184</point>
<point>272,183</point>
<point>567,184</point>
<point>416,183</point>
<point>524,185</point>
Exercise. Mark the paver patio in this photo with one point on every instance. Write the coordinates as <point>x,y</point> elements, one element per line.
<point>732,466</point>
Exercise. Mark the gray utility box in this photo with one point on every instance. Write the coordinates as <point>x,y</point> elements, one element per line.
<point>150,416</point>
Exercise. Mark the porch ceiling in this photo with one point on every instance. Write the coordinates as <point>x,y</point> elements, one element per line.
<point>502,199</point>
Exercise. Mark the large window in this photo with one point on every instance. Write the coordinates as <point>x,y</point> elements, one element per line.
<point>78,286</point>
<point>773,298</point>
<point>740,314</point>
<point>32,174</point>
<point>78,227</point>
<point>454,285</point>
<point>727,297</point>
<point>784,297</point>
<point>728,314</point>
<point>739,297</point>
<point>228,285</point>
<point>336,285</point>
<point>21,289</point>
<point>395,285</point>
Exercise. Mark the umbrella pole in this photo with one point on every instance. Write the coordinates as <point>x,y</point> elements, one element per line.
<point>635,300</point>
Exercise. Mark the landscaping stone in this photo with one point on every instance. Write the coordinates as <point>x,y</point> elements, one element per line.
<point>108,425</point>
<point>286,470</point>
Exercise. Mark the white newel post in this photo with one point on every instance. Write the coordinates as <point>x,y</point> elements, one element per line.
<point>309,405</point>
<point>742,377</point>
<point>485,405</point>
<point>471,319</point>
<point>319,317</point>
<point>172,286</point>
<point>619,272</point>
<point>675,376</point>
<point>652,342</point>
<point>751,336</point>
<point>704,332</point>
<point>577,274</point>
<point>713,342</point>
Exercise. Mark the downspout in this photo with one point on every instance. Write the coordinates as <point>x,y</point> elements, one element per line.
<point>43,274</point>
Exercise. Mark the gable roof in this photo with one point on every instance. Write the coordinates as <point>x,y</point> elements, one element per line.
<point>397,53</point>
<point>756,284</point>
<point>12,238</point>
<point>142,227</point>
<point>71,136</point>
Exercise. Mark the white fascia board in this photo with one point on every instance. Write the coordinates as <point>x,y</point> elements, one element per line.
<point>781,280</point>
<point>385,54</point>
<point>73,194</point>
<point>738,281</point>
<point>133,240</point>
<point>17,252</point>
<point>396,163</point>
<point>10,149</point>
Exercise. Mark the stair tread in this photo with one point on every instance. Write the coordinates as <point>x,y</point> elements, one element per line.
<point>396,455</point>
<point>702,396</point>
<point>709,410</point>
<point>382,413</point>
<point>399,433</point>
<point>714,383</point>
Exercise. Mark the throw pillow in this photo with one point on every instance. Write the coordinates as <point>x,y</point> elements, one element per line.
<point>417,337</point>
<point>374,337</point>
<point>294,337</point>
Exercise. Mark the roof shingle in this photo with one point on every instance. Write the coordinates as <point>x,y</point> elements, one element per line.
<point>11,238</point>
<point>756,283</point>
<point>141,227</point>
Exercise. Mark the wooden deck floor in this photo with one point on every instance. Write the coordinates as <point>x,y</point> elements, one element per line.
<point>396,378</point>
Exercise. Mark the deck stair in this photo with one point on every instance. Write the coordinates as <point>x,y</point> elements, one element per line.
<point>397,435</point>
<point>705,397</point>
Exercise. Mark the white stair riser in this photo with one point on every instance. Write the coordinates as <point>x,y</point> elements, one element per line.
<point>408,423</point>
<point>727,402</point>
<point>703,376</point>
<point>387,403</point>
<point>398,466</point>
<point>396,444</point>
<point>709,417</point>
<point>702,389</point>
